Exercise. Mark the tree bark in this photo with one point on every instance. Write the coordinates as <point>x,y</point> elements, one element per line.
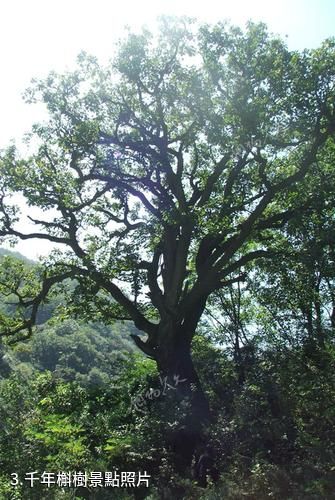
<point>183,390</point>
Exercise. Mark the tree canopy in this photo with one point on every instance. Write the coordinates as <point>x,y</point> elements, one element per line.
<point>164,176</point>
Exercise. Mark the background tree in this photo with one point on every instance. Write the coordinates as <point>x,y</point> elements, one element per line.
<point>299,298</point>
<point>162,176</point>
<point>292,305</point>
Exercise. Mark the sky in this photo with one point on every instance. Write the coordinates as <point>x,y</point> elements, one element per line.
<point>37,36</point>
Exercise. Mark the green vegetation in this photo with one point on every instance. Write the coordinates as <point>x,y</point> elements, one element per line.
<point>272,435</point>
<point>190,187</point>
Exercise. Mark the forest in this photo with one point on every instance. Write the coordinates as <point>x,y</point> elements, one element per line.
<point>178,341</point>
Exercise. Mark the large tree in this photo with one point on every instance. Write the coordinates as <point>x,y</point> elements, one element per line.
<point>161,178</point>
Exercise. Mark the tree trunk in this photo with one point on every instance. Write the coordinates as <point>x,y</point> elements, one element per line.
<point>183,391</point>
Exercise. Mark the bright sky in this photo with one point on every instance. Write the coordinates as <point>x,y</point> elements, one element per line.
<point>37,36</point>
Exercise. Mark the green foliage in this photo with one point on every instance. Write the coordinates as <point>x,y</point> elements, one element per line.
<point>196,169</point>
<point>272,435</point>
<point>163,176</point>
<point>59,434</point>
<point>89,354</point>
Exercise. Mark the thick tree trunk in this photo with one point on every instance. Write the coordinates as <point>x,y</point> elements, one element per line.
<point>184,391</point>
